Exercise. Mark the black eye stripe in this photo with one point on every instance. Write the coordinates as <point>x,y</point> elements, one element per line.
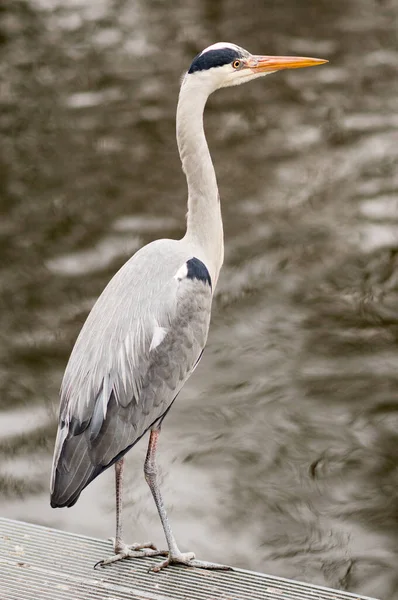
<point>213,58</point>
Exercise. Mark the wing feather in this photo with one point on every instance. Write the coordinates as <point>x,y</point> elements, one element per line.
<point>118,383</point>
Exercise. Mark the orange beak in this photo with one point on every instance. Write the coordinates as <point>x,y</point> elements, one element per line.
<point>264,64</point>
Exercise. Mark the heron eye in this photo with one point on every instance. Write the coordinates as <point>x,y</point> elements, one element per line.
<point>236,64</point>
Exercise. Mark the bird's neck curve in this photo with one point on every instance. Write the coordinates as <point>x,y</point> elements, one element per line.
<point>204,222</point>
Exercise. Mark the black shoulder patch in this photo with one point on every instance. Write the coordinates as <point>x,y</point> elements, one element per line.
<point>213,58</point>
<point>198,270</point>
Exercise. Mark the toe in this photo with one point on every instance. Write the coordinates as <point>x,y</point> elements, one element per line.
<point>127,552</point>
<point>149,545</point>
<point>188,559</point>
<point>108,561</point>
<point>157,568</point>
<point>202,564</point>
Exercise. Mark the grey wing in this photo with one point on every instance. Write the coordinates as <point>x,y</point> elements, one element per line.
<point>130,374</point>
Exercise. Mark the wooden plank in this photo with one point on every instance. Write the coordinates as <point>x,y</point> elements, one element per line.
<point>41,563</point>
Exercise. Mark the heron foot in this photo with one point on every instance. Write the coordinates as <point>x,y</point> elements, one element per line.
<point>189,560</point>
<point>123,550</point>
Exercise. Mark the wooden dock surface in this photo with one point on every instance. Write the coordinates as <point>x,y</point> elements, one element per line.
<point>40,563</point>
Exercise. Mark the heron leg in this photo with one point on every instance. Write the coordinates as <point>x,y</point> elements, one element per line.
<point>174,555</point>
<point>119,469</point>
<point>121,549</point>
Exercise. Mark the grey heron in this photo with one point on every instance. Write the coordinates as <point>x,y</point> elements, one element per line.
<point>146,333</point>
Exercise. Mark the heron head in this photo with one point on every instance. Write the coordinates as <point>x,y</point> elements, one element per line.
<point>224,64</point>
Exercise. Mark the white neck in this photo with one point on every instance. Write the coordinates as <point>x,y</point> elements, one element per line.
<point>204,222</point>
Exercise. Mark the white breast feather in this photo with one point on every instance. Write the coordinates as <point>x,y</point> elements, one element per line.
<point>158,337</point>
<point>182,272</point>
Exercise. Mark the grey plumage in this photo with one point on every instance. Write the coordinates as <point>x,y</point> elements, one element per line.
<point>118,383</point>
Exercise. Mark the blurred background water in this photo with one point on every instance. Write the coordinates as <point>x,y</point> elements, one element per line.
<point>281,453</point>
